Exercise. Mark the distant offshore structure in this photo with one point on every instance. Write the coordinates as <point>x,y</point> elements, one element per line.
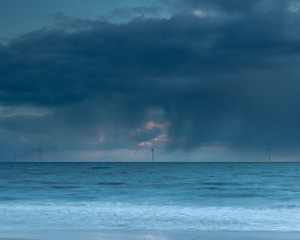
<point>40,155</point>
<point>269,155</point>
<point>152,154</point>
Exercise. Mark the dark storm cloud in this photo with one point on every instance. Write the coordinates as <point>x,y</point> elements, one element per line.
<point>225,77</point>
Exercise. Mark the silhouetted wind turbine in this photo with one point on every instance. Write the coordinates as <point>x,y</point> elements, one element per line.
<point>40,155</point>
<point>152,154</point>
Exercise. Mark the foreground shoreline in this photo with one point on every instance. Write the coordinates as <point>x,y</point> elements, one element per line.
<point>146,235</point>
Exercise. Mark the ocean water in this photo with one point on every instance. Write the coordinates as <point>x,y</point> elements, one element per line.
<point>149,196</point>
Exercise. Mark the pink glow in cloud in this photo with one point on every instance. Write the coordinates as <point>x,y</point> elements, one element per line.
<point>149,125</point>
<point>144,144</point>
<point>162,138</point>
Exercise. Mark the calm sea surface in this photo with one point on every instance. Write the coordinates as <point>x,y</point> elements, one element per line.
<point>160,196</point>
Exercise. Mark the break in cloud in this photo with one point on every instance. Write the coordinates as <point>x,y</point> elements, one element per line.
<point>213,74</point>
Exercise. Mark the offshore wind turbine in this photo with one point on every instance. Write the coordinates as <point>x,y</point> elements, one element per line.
<point>40,155</point>
<point>152,154</point>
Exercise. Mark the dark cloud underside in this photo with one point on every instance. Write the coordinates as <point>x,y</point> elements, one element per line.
<point>220,72</point>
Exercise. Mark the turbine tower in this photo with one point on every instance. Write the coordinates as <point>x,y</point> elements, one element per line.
<point>40,155</point>
<point>152,155</point>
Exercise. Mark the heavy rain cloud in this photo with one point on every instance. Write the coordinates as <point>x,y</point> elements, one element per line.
<point>214,73</point>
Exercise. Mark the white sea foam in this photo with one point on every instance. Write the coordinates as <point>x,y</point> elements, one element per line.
<point>106,215</point>
<point>153,197</point>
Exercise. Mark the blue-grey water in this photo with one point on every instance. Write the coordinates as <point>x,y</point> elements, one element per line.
<point>160,196</point>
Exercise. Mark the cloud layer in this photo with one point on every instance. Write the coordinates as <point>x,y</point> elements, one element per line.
<point>216,73</point>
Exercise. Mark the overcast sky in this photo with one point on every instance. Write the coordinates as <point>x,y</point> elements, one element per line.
<point>197,80</point>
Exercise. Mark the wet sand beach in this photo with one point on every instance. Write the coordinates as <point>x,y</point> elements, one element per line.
<point>152,235</point>
<point>13,239</point>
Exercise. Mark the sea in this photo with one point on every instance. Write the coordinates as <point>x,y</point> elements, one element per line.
<point>104,200</point>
